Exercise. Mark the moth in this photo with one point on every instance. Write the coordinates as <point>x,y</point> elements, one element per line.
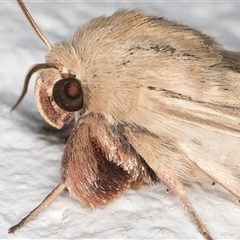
<point>151,100</point>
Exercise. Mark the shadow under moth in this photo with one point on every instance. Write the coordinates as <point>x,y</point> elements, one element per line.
<point>152,100</point>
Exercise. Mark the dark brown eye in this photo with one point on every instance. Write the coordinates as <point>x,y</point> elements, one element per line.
<point>68,94</point>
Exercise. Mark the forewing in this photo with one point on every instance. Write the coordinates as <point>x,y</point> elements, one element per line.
<point>208,97</point>
<point>195,119</point>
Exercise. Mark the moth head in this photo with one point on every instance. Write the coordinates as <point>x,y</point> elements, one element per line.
<point>58,93</point>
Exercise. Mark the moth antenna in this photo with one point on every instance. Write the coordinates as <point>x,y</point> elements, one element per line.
<point>34,25</point>
<point>31,71</point>
<point>44,204</point>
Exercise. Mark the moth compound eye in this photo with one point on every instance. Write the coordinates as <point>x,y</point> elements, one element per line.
<point>68,94</point>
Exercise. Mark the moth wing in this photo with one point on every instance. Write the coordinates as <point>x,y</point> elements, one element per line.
<point>209,98</point>
<point>193,121</point>
<point>191,153</point>
<point>169,164</point>
<point>176,156</point>
<point>197,128</point>
<point>231,60</point>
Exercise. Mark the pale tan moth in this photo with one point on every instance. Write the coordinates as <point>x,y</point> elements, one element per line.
<point>138,119</point>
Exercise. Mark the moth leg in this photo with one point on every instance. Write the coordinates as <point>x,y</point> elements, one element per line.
<point>164,157</point>
<point>62,133</point>
<point>174,185</point>
<point>44,204</point>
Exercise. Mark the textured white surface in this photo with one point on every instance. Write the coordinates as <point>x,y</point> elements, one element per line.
<point>30,162</point>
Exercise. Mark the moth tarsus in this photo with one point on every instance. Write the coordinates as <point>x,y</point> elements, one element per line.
<point>151,100</point>
<point>44,204</point>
